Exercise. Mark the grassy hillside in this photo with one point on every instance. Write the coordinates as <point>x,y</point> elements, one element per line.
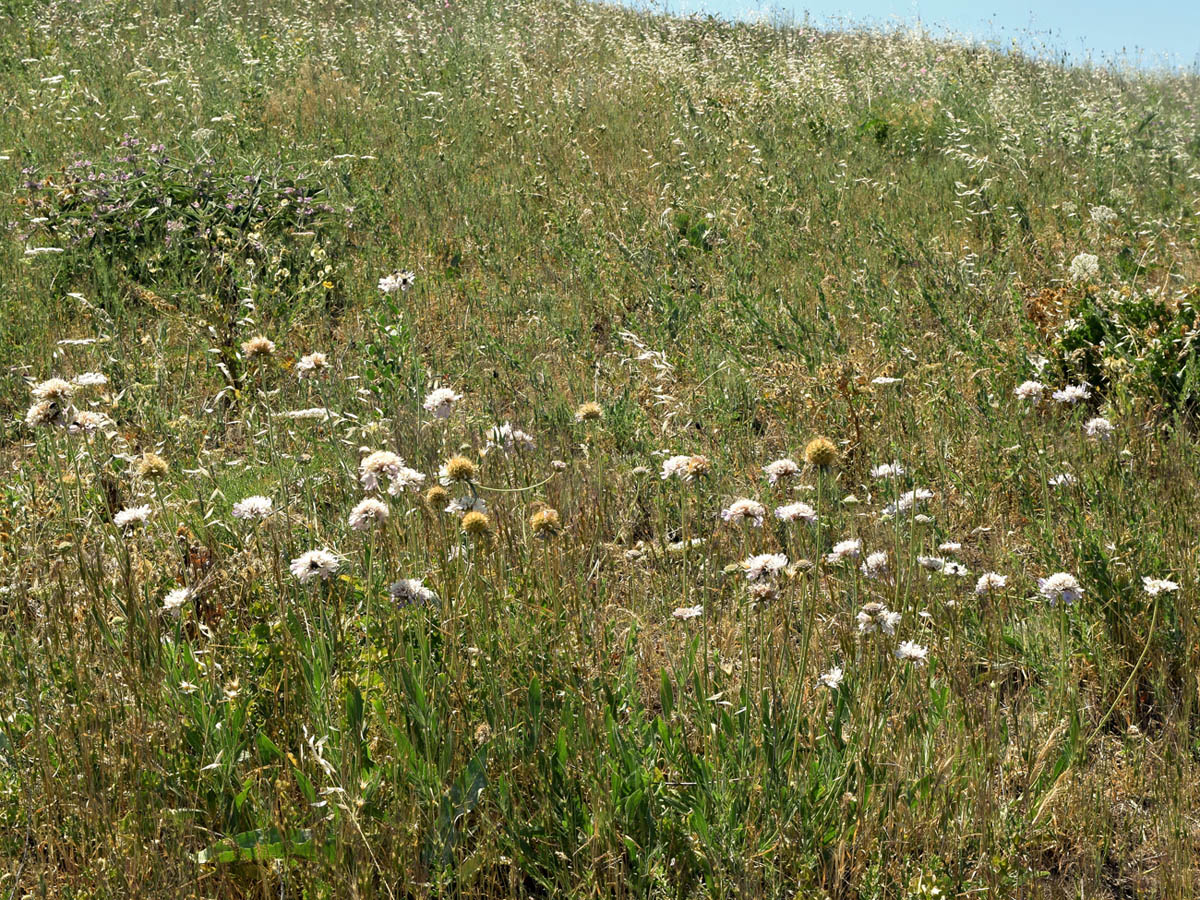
<point>923,659</point>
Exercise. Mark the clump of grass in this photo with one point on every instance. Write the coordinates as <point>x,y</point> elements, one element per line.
<point>843,543</point>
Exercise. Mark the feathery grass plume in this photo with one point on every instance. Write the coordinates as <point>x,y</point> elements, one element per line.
<point>458,470</point>
<point>545,522</point>
<point>440,402</point>
<point>313,565</point>
<point>152,466</point>
<point>258,347</point>
<point>588,412</point>
<point>820,453</point>
<point>367,513</point>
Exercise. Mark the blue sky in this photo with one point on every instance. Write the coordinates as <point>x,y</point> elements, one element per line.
<point>1148,33</point>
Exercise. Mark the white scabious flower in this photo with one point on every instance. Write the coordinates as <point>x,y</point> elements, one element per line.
<point>508,439</point>
<point>745,510</point>
<point>831,679</point>
<point>688,612</point>
<point>957,569</point>
<point>314,564</point>
<point>1099,428</point>
<point>55,389</point>
<point>460,506</point>
<point>989,582</point>
<point>844,549</point>
<point>1072,394</point>
<point>366,513</point>
<point>912,652</point>
<point>411,592</point>
<point>1085,267</point>
<point>885,380</point>
<point>932,563</point>
<point>405,479</point>
<point>440,402</point>
<point>675,466</point>
<point>1063,479</point>
<point>311,365</point>
<point>877,617</point>
<point>781,468</point>
<point>796,512</point>
<point>1029,390</point>
<point>377,465</point>
<point>253,507</point>
<point>88,422</point>
<point>396,281</point>
<point>1103,215</point>
<point>1060,586</point>
<point>908,500</point>
<point>1156,586</point>
<point>764,565</point>
<point>949,546</point>
<point>174,600</point>
<point>685,468</point>
<point>311,413</point>
<point>888,470</point>
<point>876,564</point>
<point>131,516</point>
<point>90,379</point>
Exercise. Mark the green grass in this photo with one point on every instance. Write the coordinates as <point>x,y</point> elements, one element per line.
<point>722,234</point>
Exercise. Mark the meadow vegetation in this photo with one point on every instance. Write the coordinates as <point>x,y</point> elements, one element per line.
<point>543,449</point>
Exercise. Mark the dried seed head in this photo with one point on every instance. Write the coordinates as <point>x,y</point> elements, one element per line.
<point>821,453</point>
<point>477,524</point>
<point>152,466</point>
<point>258,347</point>
<point>545,522</point>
